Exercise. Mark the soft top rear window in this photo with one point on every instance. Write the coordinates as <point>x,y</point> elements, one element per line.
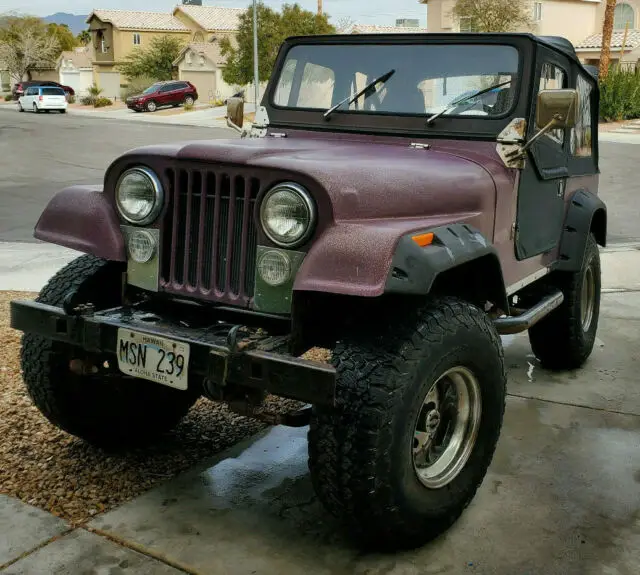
<point>426,79</point>
<point>52,92</point>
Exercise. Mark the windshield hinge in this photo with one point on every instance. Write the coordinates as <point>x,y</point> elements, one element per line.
<point>510,141</point>
<point>419,146</point>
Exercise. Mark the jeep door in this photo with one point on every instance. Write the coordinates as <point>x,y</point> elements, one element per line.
<point>541,192</point>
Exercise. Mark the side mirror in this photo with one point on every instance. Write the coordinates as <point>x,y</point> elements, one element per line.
<point>235,113</point>
<point>558,108</point>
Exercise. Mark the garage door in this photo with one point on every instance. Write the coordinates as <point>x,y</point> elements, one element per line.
<point>71,79</point>
<point>110,84</point>
<point>205,83</point>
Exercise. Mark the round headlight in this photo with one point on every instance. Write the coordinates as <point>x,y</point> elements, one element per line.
<point>142,246</point>
<point>288,214</point>
<point>275,268</point>
<point>139,196</point>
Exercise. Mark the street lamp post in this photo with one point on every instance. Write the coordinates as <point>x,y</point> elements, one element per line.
<point>256,73</point>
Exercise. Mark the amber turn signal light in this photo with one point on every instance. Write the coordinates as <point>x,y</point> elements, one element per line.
<point>423,240</point>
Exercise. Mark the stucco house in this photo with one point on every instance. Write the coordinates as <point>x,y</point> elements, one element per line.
<point>75,69</point>
<point>580,21</point>
<point>116,33</point>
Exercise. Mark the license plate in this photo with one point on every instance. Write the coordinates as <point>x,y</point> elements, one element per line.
<point>153,358</point>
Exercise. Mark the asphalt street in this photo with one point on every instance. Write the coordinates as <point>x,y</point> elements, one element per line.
<point>42,154</point>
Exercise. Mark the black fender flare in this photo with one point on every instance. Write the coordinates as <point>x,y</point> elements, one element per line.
<point>586,213</point>
<point>415,270</point>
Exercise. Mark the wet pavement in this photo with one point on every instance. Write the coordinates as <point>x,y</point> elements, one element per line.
<point>561,497</point>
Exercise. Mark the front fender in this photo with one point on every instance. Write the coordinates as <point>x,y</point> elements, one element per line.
<point>355,258</point>
<point>81,218</point>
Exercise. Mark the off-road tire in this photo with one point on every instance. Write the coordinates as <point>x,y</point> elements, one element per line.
<point>360,453</point>
<point>151,106</point>
<point>559,340</point>
<point>107,410</point>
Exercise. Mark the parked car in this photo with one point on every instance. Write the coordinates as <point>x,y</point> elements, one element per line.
<point>43,99</point>
<point>402,236</point>
<point>163,94</point>
<point>20,88</point>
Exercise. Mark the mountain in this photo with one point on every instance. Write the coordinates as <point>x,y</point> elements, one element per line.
<point>76,23</point>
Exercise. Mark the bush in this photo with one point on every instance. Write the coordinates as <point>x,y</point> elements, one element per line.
<point>620,94</point>
<point>218,102</point>
<point>92,97</point>
<point>8,97</point>
<point>87,100</point>
<point>136,86</point>
<point>102,102</point>
<point>71,99</point>
<point>189,107</point>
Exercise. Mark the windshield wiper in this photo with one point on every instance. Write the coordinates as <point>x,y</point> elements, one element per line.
<point>464,99</point>
<point>368,90</point>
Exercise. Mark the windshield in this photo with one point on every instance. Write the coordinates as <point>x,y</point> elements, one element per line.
<point>427,78</point>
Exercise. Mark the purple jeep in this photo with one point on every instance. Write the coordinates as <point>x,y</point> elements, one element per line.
<point>401,200</point>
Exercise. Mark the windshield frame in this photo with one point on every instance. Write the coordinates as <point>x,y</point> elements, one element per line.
<point>409,123</point>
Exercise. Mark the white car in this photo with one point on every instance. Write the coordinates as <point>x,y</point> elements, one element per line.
<point>43,98</point>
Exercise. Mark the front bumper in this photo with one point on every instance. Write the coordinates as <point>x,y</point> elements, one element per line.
<point>218,352</point>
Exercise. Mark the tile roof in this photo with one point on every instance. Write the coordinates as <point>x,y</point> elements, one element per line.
<point>372,29</point>
<point>210,50</point>
<point>80,57</point>
<point>138,20</point>
<point>213,18</point>
<point>595,40</point>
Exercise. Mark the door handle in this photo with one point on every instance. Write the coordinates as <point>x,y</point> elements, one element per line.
<point>562,186</point>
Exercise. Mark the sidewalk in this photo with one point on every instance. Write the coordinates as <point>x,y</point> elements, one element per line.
<point>564,480</point>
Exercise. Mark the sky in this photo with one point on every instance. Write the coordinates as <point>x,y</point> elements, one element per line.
<point>382,12</point>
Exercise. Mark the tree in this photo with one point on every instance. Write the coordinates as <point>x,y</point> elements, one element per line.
<point>273,28</point>
<point>607,32</point>
<point>25,43</point>
<point>345,25</point>
<point>66,39</point>
<point>494,15</point>
<point>84,38</point>
<point>155,62</point>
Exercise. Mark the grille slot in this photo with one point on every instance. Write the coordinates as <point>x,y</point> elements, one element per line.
<point>209,235</point>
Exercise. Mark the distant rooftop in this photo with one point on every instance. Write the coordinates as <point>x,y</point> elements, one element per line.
<point>373,29</point>
<point>617,38</point>
<point>212,17</point>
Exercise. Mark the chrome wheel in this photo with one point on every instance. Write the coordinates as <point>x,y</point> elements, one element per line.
<point>447,428</point>
<point>587,298</point>
<point>189,101</point>
<point>151,107</point>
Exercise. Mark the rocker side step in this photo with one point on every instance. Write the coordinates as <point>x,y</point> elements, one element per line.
<point>519,323</point>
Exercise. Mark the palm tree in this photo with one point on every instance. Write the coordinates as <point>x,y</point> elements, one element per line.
<point>607,32</point>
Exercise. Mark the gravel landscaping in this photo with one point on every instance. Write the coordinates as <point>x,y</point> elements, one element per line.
<point>54,471</point>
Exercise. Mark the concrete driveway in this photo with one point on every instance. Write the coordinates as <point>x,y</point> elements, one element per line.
<point>561,497</point>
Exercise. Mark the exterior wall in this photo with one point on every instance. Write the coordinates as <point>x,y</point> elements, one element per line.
<point>123,41</point>
<point>44,75</point>
<point>600,10</point>
<point>585,18</point>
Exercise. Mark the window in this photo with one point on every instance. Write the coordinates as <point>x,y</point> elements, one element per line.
<point>623,15</point>
<point>581,143</point>
<point>426,78</point>
<point>537,11</point>
<point>553,78</point>
<point>52,92</point>
<point>466,25</point>
<point>103,44</point>
<point>317,86</point>
<point>137,40</point>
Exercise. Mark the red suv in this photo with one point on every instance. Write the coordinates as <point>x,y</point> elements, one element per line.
<point>163,94</point>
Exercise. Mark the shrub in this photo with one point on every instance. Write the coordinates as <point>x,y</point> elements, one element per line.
<point>8,97</point>
<point>620,94</point>
<point>136,86</point>
<point>92,97</point>
<point>218,102</point>
<point>71,99</point>
<point>102,102</point>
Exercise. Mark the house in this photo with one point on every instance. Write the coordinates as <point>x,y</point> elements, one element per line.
<point>580,21</point>
<point>117,33</point>
<point>75,69</point>
<point>373,29</point>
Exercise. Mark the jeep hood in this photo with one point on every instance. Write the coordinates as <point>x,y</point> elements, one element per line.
<point>365,179</point>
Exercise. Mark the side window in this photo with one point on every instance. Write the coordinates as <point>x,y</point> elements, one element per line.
<point>316,89</point>
<point>283,89</point>
<point>137,39</point>
<point>581,143</point>
<point>553,78</point>
<point>166,88</point>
